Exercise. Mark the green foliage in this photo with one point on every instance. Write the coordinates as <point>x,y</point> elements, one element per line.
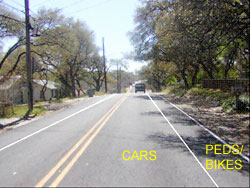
<point>127,78</point>
<point>63,49</point>
<point>69,50</point>
<point>158,74</point>
<point>215,94</point>
<point>171,80</point>
<point>178,90</point>
<point>98,93</point>
<point>38,110</point>
<point>229,104</point>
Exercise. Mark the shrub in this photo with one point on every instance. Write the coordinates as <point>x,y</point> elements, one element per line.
<point>229,104</point>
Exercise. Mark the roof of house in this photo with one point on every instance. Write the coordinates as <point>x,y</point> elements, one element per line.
<point>13,79</point>
<point>9,83</point>
<point>50,84</point>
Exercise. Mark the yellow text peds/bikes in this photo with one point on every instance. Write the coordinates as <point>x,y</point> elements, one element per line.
<point>228,164</point>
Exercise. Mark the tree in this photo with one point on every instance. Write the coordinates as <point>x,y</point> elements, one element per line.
<point>95,72</point>
<point>195,36</point>
<point>13,27</point>
<point>63,48</point>
<point>67,50</point>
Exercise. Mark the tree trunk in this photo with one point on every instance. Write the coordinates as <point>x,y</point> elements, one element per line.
<point>183,75</point>
<point>80,87</point>
<point>208,70</point>
<point>194,77</point>
<point>98,87</point>
<point>73,87</point>
<point>97,84</point>
<point>67,90</point>
<point>158,86</point>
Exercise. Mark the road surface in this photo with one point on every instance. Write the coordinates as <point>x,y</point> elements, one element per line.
<point>92,143</point>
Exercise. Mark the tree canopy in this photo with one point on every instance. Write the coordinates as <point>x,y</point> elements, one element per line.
<point>62,49</point>
<point>208,38</point>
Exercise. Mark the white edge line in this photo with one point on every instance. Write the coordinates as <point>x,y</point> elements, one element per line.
<point>210,132</point>
<point>40,117</point>
<point>211,178</point>
<point>53,124</point>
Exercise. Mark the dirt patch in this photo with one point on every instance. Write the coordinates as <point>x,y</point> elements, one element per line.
<point>231,127</point>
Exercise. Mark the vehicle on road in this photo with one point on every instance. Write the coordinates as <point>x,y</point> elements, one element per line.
<point>140,87</point>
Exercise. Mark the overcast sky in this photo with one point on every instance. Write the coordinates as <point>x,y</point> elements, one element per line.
<point>111,19</point>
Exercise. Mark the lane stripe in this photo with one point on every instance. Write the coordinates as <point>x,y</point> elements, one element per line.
<point>65,171</point>
<point>30,121</point>
<point>71,151</point>
<point>53,124</point>
<point>211,178</point>
<point>210,132</point>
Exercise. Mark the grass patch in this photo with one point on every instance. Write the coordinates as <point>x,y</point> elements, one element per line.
<point>20,110</point>
<point>215,94</point>
<point>83,95</point>
<point>167,90</point>
<point>38,109</point>
<point>98,93</point>
<point>177,91</point>
<point>60,100</point>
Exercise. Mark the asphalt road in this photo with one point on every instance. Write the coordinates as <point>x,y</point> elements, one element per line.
<point>83,145</point>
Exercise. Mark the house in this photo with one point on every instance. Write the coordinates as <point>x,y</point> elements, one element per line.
<point>14,90</point>
<point>11,90</point>
<point>9,94</point>
<point>46,90</point>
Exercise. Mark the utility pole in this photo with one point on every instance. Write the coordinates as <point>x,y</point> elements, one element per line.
<point>28,60</point>
<point>120,81</point>
<point>104,65</point>
<point>117,77</point>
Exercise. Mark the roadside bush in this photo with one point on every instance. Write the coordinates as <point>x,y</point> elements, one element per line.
<point>229,104</point>
<point>244,102</point>
<point>179,90</point>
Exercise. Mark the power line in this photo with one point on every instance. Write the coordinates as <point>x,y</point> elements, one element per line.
<point>94,6</point>
<point>72,4</point>
<point>12,7</point>
<point>22,11</point>
<point>17,3</point>
<point>23,6</point>
<point>67,6</point>
<point>41,3</point>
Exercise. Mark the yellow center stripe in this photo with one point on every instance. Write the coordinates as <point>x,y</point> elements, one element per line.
<point>104,119</point>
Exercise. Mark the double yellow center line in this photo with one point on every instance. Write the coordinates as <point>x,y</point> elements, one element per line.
<point>95,130</point>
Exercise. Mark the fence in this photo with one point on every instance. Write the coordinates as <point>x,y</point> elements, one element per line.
<point>226,85</point>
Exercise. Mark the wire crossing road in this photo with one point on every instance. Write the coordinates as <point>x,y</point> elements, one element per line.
<point>116,140</point>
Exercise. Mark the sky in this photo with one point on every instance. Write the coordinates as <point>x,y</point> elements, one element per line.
<point>111,19</point>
